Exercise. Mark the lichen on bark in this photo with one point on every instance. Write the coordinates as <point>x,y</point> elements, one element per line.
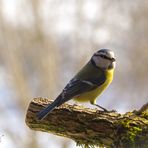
<point>91,127</point>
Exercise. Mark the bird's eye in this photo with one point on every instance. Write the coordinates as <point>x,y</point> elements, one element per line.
<point>103,56</point>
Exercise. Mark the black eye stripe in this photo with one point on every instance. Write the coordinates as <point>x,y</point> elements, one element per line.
<point>103,56</point>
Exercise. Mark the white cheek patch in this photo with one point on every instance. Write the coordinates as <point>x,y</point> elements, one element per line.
<point>112,54</point>
<point>114,64</point>
<point>101,62</point>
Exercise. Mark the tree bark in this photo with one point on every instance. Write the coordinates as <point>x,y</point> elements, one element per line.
<point>91,127</point>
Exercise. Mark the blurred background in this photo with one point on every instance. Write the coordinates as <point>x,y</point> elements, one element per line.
<point>43,43</point>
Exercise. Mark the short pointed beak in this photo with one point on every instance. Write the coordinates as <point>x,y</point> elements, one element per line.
<point>113,59</point>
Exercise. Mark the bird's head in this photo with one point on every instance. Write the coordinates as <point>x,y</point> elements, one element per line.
<point>104,59</point>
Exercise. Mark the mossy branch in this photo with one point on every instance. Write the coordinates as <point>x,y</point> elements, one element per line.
<point>91,127</point>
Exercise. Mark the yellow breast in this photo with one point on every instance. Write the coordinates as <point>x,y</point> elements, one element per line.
<point>92,95</point>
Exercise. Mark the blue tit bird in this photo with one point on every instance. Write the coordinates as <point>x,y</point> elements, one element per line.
<point>88,83</point>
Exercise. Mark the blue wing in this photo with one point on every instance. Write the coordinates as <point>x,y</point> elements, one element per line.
<point>73,88</point>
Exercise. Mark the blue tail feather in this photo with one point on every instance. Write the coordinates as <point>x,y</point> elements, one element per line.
<point>43,113</point>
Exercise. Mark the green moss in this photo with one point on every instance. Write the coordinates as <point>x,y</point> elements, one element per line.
<point>132,130</point>
<point>145,114</point>
<point>133,133</point>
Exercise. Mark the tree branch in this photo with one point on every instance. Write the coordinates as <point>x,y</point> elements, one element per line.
<point>91,127</point>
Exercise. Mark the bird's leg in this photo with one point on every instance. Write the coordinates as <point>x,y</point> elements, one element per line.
<point>93,102</point>
<point>104,108</point>
<point>101,107</point>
